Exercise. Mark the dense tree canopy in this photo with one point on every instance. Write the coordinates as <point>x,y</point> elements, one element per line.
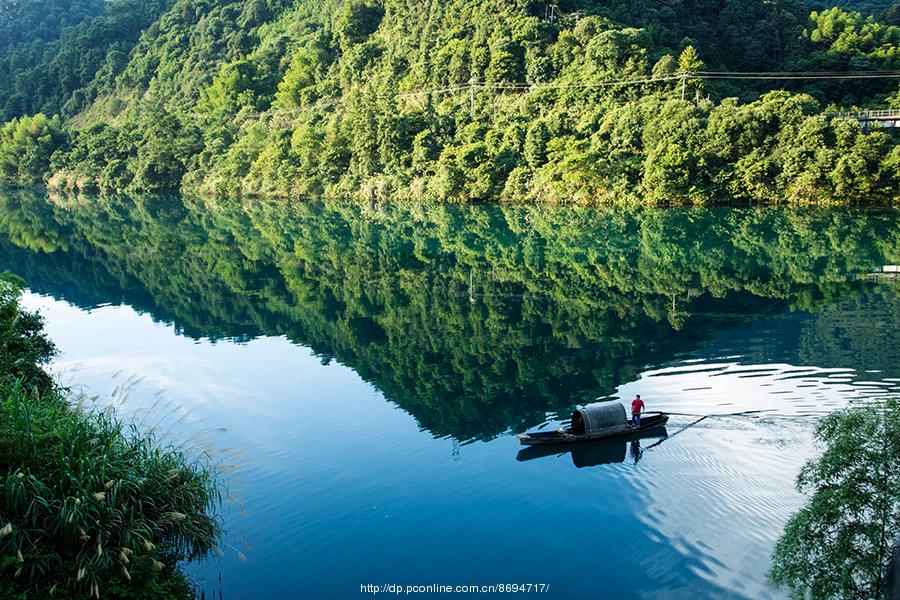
<point>27,21</point>
<point>77,50</point>
<point>466,101</point>
<point>26,146</point>
<point>878,8</point>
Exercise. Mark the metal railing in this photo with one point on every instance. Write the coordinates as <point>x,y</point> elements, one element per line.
<point>870,115</point>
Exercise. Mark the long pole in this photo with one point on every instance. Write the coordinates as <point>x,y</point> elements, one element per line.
<point>683,81</point>
<point>702,418</point>
<point>472,98</point>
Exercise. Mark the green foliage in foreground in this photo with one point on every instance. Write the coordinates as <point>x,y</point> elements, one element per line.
<point>23,346</point>
<point>88,505</point>
<point>307,99</point>
<point>837,546</point>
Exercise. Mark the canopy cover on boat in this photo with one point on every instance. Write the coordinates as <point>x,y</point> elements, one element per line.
<point>605,417</point>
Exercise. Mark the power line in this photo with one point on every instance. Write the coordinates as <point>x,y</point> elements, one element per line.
<point>472,85</point>
<point>797,75</point>
<point>707,75</point>
<point>596,84</point>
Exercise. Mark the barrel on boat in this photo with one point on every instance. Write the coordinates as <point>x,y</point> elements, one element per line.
<point>603,418</point>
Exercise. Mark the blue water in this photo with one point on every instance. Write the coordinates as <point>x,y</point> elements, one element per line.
<point>367,416</point>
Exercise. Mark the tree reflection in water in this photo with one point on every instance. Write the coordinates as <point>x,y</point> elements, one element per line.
<point>477,320</point>
<point>837,546</point>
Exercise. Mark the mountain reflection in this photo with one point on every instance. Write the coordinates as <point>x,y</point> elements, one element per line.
<point>475,319</point>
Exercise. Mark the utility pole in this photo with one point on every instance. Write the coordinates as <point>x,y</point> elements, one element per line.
<point>683,82</point>
<point>472,97</point>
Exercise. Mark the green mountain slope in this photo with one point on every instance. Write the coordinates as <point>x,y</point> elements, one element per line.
<point>885,10</point>
<point>76,51</point>
<point>471,100</point>
<point>28,21</point>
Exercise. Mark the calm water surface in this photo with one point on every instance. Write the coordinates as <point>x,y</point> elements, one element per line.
<point>364,368</point>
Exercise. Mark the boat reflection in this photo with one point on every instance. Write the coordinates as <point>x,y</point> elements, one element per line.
<point>600,452</point>
<point>892,581</point>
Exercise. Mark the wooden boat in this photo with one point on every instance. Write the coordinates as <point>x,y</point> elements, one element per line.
<point>595,422</point>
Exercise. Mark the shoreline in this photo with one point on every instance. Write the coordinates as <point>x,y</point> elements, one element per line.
<point>406,199</point>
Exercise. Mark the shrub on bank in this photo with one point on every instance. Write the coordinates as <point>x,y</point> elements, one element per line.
<point>839,543</point>
<point>23,346</point>
<point>90,506</point>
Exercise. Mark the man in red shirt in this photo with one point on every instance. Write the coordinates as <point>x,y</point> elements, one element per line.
<point>637,405</point>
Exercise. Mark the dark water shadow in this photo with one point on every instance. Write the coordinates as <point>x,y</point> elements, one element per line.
<point>600,452</point>
<point>892,576</point>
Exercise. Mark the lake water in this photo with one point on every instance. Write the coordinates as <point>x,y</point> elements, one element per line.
<point>364,368</point>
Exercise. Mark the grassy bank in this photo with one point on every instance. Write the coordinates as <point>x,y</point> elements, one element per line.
<point>89,506</point>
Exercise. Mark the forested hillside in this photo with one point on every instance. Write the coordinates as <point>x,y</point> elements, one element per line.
<point>42,20</point>
<point>461,100</point>
<point>884,10</point>
<point>55,57</point>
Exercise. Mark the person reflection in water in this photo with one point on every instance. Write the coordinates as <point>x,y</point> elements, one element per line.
<point>637,405</point>
<point>636,451</point>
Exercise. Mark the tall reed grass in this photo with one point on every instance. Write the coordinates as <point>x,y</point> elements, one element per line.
<point>91,506</point>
